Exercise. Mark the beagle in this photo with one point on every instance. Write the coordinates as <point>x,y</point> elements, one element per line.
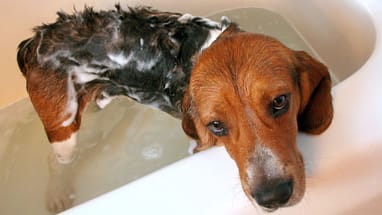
<point>245,91</point>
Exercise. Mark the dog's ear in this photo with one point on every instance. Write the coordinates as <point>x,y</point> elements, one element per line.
<point>188,124</point>
<point>316,110</point>
<point>193,126</point>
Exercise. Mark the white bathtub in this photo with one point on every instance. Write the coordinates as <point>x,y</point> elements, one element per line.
<point>343,164</point>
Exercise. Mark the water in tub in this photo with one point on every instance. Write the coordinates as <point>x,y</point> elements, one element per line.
<point>119,144</point>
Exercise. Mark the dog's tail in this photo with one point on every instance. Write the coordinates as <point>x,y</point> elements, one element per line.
<point>24,54</point>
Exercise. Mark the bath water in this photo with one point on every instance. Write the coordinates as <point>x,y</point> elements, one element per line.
<point>119,144</point>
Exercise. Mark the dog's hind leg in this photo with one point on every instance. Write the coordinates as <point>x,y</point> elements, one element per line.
<point>59,107</point>
<point>60,194</point>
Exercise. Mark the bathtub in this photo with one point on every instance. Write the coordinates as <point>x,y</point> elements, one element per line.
<point>344,171</point>
<point>343,164</point>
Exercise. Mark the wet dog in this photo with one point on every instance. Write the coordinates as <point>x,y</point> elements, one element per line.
<point>247,92</point>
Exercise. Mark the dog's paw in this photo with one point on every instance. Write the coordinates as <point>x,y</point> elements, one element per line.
<point>59,197</point>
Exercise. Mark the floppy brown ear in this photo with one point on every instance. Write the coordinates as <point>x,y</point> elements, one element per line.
<point>187,121</point>
<point>316,110</point>
<point>193,126</point>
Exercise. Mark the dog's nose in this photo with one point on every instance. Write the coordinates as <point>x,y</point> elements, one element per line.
<point>273,194</point>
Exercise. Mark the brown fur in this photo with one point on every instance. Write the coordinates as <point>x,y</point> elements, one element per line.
<point>53,116</point>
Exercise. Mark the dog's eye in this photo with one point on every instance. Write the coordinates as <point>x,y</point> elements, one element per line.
<point>280,102</point>
<point>217,128</point>
<point>280,105</point>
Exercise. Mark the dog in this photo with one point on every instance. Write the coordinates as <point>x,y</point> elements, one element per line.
<point>245,91</point>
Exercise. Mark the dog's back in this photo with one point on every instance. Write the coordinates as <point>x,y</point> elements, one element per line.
<point>141,53</point>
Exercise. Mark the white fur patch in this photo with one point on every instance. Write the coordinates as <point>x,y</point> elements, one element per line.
<point>167,85</point>
<point>121,59</point>
<point>65,151</point>
<point>266,160</point>
<point>167,99</point>
<point>188,17</point>
<point>141,65</point>
<point>185,18</point>
<point>39,46</point>
<point>83,77</point>
<point>272,165</point>
<point>147,65</point>
<point>213,35</point>
<point>54,58</point>
<point>171,37</point>
<point>141,42</point>
<point>72,104</point>
<point>225,22</point>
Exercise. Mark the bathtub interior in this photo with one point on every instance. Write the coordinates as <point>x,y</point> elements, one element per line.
<point>126,141</point>
<point>119,144</point>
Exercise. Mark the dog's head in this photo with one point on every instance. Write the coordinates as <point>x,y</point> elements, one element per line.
<point>252,94</point>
